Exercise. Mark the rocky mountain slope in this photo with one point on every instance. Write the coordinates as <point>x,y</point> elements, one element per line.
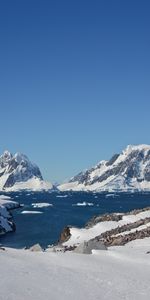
<point>128,171</point>
<point>17,172</point>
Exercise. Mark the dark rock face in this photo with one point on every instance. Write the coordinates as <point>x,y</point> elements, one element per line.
<point>18,168</point>
<point>112,160</point>
<point>65,235</point>
<point>124,239</point>
<point>82,177</point>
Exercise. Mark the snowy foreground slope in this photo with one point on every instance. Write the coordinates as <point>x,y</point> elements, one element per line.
<point>117,274</point>
<point>128,171</point>
<point>17,173</point>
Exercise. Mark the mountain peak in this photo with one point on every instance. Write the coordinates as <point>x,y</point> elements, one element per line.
<point>6,154</point>
<point>20,157</point>
<point>140,147</point>
<point>18,171</point>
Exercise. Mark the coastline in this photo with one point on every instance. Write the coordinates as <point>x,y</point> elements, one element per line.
<point>118,273</point>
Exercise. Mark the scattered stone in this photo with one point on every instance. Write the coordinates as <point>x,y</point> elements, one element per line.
<point>124,239</point>
<point>69,248</point>
<point>36,248</point>
<point>87,247</point>
<point>2,248</point>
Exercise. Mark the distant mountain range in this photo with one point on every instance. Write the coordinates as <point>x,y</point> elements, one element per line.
<point>17,173</point>
<point>128,171</point>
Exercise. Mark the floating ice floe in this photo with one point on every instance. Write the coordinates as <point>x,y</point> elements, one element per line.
<point>83,204</point>
<point>4,197</point>
<point>109,195</point>
<point>31,212</point>
<point>61,196</point>
<point>40,205</point>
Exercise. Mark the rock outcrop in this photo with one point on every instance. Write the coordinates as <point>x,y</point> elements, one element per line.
<point>6,220</point>
<point>87,247</point>
<point>65,235</point>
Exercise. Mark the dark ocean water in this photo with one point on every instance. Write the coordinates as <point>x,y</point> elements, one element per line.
<point>45,228</point>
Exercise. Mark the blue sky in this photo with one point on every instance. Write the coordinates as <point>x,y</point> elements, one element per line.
<point>74,80</point>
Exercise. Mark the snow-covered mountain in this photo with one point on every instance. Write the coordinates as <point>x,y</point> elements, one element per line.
<point>127,171</point>
<point>17,172</point>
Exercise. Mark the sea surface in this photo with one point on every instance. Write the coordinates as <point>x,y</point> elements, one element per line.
<point>36,222</point>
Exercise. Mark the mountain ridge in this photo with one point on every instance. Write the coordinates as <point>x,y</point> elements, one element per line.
<point>127,171</point>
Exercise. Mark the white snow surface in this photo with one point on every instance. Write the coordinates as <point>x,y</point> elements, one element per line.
<point>33,184</point>
<point>120,273</point>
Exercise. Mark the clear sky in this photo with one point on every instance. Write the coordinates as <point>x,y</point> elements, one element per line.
<point>74,80</point>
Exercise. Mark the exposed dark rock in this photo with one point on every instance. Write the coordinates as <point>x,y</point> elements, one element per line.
<point>124,239</point>
<point>112,160</point>
<point>65,235</point>
<point>103,218</point>
<point>2,248</point>
<point>107,236</point>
